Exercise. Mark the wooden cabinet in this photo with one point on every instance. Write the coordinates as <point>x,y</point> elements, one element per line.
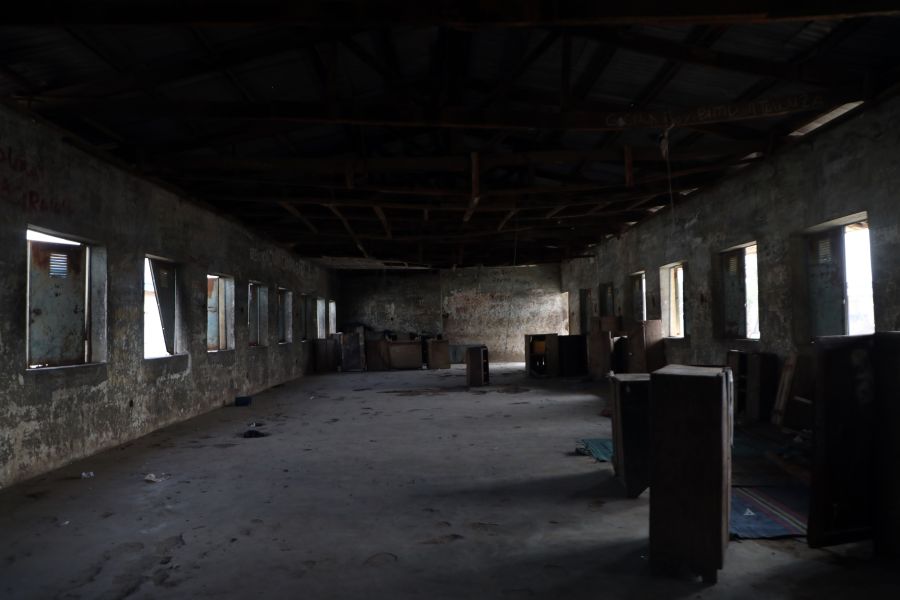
<point>327,355</point>
<point>599,353</point>
<point>552,355</point>
<point>855,491</point>
<point>755,383</point>
<point>405,354</point>
<point>377,356</point>
<point>438,354</point>
<point>477,371</point>
<point>690,469</point>
<point>542,354</point>
<point>572,355</point>
<point>645,347</point>
<point>631,431</point>
<point>353,356</point>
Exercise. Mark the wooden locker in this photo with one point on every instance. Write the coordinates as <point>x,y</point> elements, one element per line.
<point>690,468</point>
<point>405,354</point>
<point>477,372</point>
<point>438,354</point>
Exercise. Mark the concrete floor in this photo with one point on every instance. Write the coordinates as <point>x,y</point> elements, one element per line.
<point>383,485</point>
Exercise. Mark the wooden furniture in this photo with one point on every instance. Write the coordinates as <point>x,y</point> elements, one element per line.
<point>645,347</point>
<point>599,353</point>
<point>755,383</point>
<point>477,372</point>
<point>353,356</point>
<point>326,355</point>
<point>855,492</point>
<point>572,355</point>
<point>631,430</point>
<point>405,354</point>
<point>377,356</point>
<point>690,468</point>
<point>542,354</point>
<point>438,354</point>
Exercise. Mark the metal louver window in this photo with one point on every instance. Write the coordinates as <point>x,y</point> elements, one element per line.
<point>824,250</point>
<point>59,265</point>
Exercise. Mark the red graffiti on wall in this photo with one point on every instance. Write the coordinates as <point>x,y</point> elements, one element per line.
<point>20,184</point>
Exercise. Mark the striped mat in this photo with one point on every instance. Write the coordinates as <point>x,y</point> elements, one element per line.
<point>600,448</point>
<point>769,511</point>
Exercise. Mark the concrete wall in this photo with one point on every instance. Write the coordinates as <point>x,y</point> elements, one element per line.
<point>49,417</point>
<point>493,306</point>
<point>851,168</point>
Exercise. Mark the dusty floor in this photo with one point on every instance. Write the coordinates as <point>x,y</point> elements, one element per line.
<point>382,485</point>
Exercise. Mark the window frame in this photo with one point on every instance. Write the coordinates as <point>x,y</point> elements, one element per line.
<point>258,314</point>
<point>284,319</point>
<point>224,317</point>
<point>632,279</point>
<point>93,296</point>
<point>738,254</point>
<point>177,339</point>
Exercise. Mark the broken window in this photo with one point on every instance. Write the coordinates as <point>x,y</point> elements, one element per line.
<point>740,293</point>
<point>839,280</point>
<point>284,298</point>
<point>639,296</point>
<point>160,308</point>
<point>671,287</point>
<point>258,314</point>
<point>219,313</point>
<point>321,319</point>
<point>332,317</point>
<point>66,301</point>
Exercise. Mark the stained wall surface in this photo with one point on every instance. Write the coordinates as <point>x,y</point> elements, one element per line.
<point>495,306</point>
<point>49,417</point>
<point>851,168</point>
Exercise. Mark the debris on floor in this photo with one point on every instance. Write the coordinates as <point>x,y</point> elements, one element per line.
<point>153,478</point>
<point>254,433</point>
<point>87,474</point>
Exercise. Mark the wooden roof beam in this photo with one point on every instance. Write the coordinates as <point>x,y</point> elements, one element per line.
<point>393,116</point>
<point>350,232</point>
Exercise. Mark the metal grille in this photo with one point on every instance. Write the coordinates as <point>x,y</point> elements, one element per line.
<point>59,265</point>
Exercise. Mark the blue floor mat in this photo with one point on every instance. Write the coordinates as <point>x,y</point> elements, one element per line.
<point>769,511</point>
<point>600,448</point>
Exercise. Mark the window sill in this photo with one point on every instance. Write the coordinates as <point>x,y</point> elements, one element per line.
<point>220,357</point>
<point>161,366</point>
<point>83,374</point>
<point>283,344</point>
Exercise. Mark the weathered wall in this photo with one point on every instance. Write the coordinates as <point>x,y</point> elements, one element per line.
<point>398,301</point>
<point>493,306</point>
<point>49,417</point>
<point>852,168</point>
